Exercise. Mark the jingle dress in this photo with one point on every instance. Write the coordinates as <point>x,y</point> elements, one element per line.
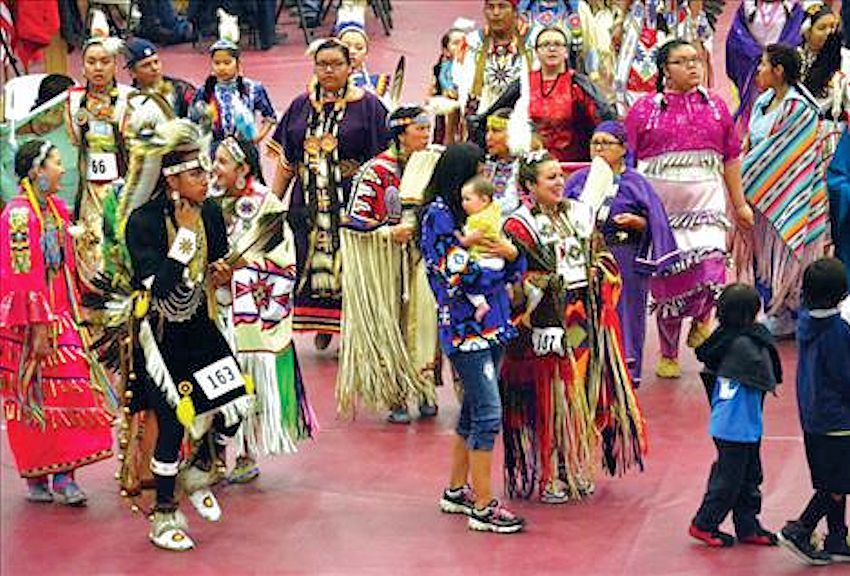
<point>55,421</point>
<point>389,337</point>
<point>258,317</point>
<point>682,142</point>
<point>314,141</point>
<point>568,396</point>
<point>639,255</point>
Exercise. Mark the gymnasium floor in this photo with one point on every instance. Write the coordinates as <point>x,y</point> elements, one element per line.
<point>362,497</point>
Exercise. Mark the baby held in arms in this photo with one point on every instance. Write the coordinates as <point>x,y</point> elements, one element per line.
<point>483,225</point>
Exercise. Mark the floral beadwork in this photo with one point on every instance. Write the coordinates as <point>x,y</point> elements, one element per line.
<point>19,240</point>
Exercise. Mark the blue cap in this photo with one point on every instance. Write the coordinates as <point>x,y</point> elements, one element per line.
<point>137,50</point>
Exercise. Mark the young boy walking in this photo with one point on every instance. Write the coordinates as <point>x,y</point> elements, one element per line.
<point>741,366</point>
<point>823,400</point>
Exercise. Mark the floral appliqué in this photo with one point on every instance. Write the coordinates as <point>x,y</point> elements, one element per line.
<point>19,240</point>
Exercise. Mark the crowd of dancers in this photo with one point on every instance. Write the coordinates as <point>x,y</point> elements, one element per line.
<point>506,235</point>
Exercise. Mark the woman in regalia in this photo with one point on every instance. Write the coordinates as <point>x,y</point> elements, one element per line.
<point>562,103</point>
<point>257,310</point>
<point>568,397</point>
<point>389,337</point>
<point>321,141</point>
<point>691,171</point>
<point>55,414</point>
<point>183,368</point>
<point>634,225</point>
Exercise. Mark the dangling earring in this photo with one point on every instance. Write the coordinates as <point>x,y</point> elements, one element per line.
<point>240,182</point>
<point>42,183</point>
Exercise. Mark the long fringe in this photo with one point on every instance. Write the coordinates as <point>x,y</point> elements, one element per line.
<point>375,362</point>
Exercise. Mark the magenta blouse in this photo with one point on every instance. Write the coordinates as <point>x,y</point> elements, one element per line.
<point>682,122</point>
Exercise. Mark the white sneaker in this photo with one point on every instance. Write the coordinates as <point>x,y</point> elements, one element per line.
<point>205,503</point>
<point>168,531</point>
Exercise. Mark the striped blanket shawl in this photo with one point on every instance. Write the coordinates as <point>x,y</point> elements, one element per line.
<point>784,176</point>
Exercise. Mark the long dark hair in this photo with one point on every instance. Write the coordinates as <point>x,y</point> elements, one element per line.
<point>826,64</point>
<point>662,57</point>
<point>458,164</point>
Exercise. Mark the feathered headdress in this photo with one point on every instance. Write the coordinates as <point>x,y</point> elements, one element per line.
<point>228,33</point>
<point>146,161</point>
<point>99,35</point>
<point>351,17</point>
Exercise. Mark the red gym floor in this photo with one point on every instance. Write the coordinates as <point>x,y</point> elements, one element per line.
<point>362,497</point>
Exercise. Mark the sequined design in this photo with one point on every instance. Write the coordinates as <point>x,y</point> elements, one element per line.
<point>19,240</point>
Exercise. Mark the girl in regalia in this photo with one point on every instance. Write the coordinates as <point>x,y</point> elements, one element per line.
<point>257,310</point>
<point>55,413</point>
<point>228,102</point>
<point>97,115</point>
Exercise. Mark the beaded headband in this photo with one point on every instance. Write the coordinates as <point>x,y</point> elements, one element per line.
<point>421,119</point>
<point>234,149</point>
<point>182,167</point>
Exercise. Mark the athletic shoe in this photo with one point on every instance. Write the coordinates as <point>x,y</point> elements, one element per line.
<point>837,548</point>
<point>798,542</point>
<point>761,537</point>
<point>39,492</point>
<point>427,410</point>
<point>399,416</point>
<point>668,368</point>
<point>168,531</point>
<point>458,500</point>
<point>245,471</point>
<point>495,518</point>
<point>70,495</point>
<point>711,538</point>
<point>555,492</point>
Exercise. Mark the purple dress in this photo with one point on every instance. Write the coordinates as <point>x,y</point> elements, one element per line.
<point>361,135</point>
<point>639,254</point>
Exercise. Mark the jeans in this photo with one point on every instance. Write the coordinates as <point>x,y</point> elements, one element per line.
<point>481,412</point>
<point>734,485</point>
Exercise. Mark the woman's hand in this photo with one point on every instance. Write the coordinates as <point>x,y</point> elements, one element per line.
<point>630,221</point>
<point>220,273</point>
<point>744,216</point>
<point>186,213</point>
<point>40,341</point>
<point>501,248</point>
<point>402,233</point>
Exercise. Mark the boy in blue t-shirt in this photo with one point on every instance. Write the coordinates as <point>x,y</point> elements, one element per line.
<point>741,365</point>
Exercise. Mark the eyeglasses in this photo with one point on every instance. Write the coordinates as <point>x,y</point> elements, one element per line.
<point>196,174</point>
<point>604,144</point>
<point>687,62</point>
<point>336,65</point>
<point>551,46</point>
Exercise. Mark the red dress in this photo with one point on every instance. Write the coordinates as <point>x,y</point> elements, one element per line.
<point>563,114</point>
<point>54,420</point>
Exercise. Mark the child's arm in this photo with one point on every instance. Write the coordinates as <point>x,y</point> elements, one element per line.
<point>470,239</point>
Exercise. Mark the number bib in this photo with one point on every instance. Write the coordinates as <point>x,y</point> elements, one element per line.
<point>547,341</point>
<point>102,167</point>
<point>220,378</point>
